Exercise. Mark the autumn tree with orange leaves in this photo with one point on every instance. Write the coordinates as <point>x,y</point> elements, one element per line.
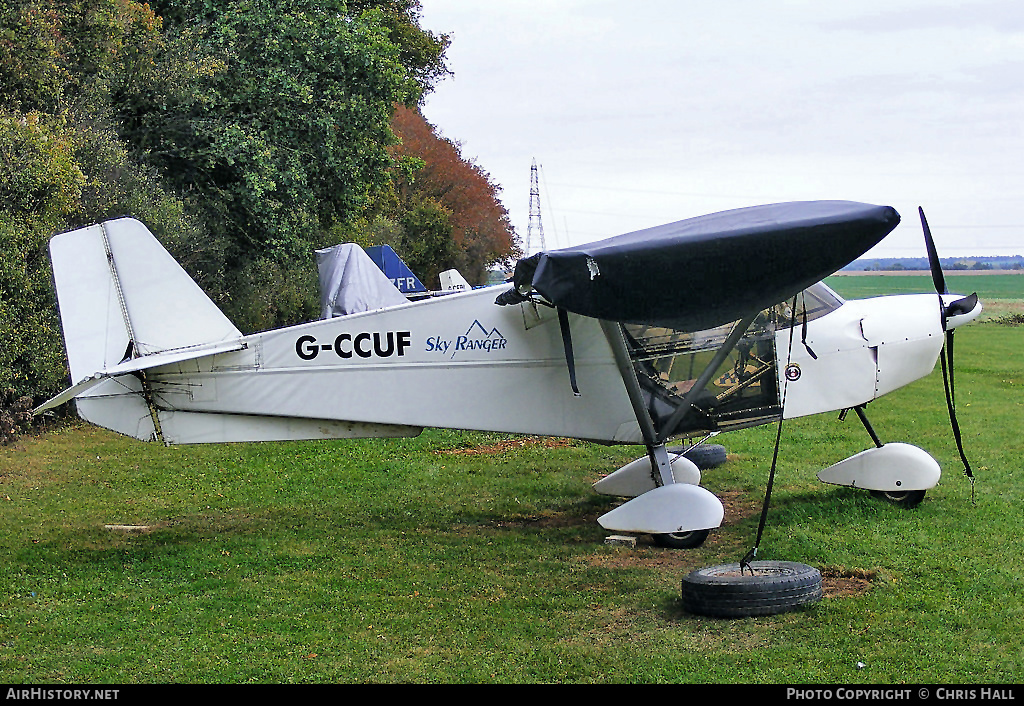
<point>448,207</point>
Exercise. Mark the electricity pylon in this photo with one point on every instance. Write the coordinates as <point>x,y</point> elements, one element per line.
<point>534,223</point>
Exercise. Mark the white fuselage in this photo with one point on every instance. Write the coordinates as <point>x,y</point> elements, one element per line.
<point>460,361</point>
<point>861,351</point>
<point>457,361</point>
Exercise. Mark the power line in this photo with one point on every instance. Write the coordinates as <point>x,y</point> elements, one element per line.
<point>551,210</point>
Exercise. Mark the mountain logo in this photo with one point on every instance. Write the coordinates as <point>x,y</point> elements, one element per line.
<point>477,338</point>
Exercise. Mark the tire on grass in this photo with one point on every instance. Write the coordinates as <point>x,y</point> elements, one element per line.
<point>774,587</point>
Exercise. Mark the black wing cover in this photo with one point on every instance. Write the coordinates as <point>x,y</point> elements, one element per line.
<point>706,271</point>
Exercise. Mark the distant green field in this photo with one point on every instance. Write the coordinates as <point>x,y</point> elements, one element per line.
<point>987,286</point>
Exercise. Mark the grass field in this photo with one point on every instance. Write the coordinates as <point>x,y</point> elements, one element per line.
<point>995,286</point>
<point>1001,294</point>
<point>458,557</point>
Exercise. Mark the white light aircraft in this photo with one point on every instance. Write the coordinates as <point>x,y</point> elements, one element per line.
<point>681,331</point>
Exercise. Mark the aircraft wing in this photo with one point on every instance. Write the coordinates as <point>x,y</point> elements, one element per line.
<point>706,271</point>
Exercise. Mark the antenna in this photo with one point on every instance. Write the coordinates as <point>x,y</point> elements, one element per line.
<point>534,222</point>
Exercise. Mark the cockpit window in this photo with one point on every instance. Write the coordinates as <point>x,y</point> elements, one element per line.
<point>817,300</point>
<point>680,370</point>
<point>674,368</point>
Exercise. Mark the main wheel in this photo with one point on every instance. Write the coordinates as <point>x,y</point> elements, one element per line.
<point>704,456</point>
<point>773,587</point>
<point>904,498</point>
<point>681,540</point>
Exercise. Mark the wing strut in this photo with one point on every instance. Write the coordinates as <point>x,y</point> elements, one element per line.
<point>661,467</point>
<point>654,438</point>
<point>613,332</point>
<point>734,337</point>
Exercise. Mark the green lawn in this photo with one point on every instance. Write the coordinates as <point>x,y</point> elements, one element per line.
<point>457,557</point>
<point>988,287</point>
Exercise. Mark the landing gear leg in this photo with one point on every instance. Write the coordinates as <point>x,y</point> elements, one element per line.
<point>859,409</point>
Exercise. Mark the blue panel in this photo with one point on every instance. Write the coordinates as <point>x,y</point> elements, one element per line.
<point>395,268</point>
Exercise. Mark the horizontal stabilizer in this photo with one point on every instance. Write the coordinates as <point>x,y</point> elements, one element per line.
<point>135,365</point>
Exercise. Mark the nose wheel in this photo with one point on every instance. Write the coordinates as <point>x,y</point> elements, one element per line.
<point>903,498</point>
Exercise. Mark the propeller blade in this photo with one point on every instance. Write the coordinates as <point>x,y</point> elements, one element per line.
<point>960,306</point>
<point>947,379</point>
<point>933,256</point>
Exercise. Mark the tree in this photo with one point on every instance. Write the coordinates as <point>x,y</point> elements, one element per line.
<point>62,163</point>
<point>245,134</point>
<point>285,132</point>
<point>56,55</point>
<point>481,231</point>
<point>426,242</point>
<point>273,122</point>
<point>39,186</point>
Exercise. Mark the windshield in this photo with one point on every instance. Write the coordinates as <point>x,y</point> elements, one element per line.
<point>817,300</point>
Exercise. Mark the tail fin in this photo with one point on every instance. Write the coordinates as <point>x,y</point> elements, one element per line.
<point>396,270</point>
<point>453,281</point>
<point>399,273</point>
<point>122,298</point>
<point>127,307</point>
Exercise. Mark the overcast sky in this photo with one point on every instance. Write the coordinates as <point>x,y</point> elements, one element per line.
<point>647,112</point>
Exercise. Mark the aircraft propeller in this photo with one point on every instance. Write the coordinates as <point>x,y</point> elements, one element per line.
<point>948,310</point>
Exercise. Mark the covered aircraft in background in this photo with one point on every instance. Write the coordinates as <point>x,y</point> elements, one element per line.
<point>355,279</point>
<point>681,331</point>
